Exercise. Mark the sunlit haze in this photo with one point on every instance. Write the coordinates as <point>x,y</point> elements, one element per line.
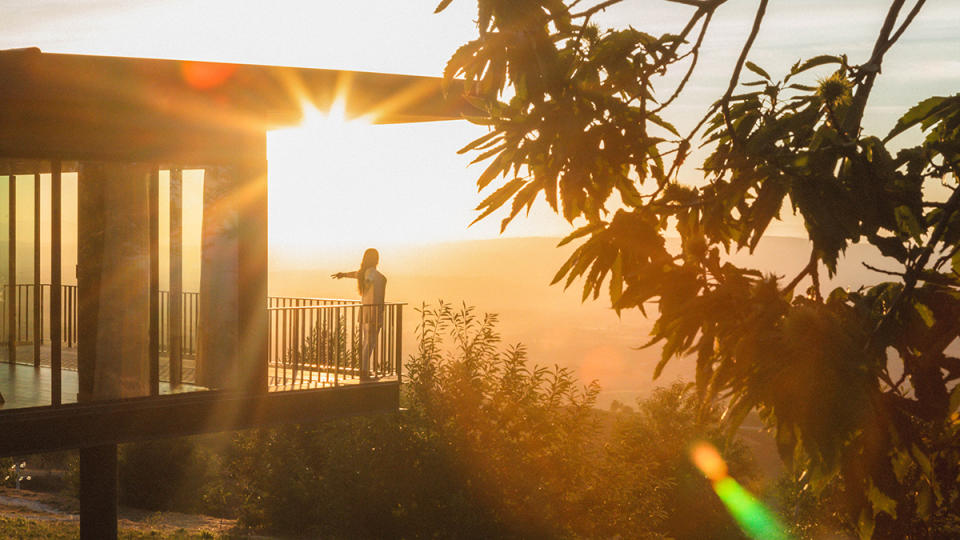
<point>387,184</point>
<point>338,185</point>
<point>346,183</point>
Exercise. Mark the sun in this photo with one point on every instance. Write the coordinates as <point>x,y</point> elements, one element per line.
<point>339,183</point>
<point>314,188</point>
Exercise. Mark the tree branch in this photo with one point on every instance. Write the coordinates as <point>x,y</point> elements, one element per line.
<point>735,78</point>
<point>701,4</point>
<point>695,51</point>
<point>913,272</point>
<point>904,25</point>
<point>870,71</point>
<point>806,270</point>
<point>595,9</point>
<point>881,270</point>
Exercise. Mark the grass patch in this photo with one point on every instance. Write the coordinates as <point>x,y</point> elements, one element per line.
<point>21,528</point>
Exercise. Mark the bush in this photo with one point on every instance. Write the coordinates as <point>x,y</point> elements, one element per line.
<point>170,474</point>
<point>488,447</point>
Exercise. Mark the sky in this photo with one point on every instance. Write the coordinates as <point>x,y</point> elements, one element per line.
<point>328,181</point>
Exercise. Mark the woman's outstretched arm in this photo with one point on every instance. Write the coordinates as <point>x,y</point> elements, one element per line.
<point>340,275</point>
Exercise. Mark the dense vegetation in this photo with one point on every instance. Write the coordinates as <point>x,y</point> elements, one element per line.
<point>488,447</point>
<point>858,385</point>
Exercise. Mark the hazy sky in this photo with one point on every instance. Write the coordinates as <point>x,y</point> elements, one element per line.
<point>409,176</point>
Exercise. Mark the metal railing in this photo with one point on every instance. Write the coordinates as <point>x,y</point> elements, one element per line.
<point>189,320</point>
<point>326,342</point>
<point>313,341</point>
<point>25,331</point>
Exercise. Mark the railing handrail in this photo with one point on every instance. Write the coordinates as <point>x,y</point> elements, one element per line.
<point>351,304</point>
<point>314,298</point>
<point>312,340</point>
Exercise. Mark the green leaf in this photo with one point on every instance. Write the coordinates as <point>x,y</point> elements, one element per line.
<point>492,171</point>
<point>890,246</point>
<point>922,460</point>
<point>881,502</point>
<point>925,314</point>
<point>478,142</point>
<point>814,62</point>
<point>524,198</point>
<point>758,70</point>
<point>574,257</point>
<point>489,153</point>
<point>918,113</point>
<point>582,231</point>
<point>955,398</point>
<point>907,223</point>
<point>663,123</point>
<point>616,281</point>
<point>498,197</point>
<point>866,523</point>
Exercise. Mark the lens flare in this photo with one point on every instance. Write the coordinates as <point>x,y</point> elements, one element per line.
<point>755,519</point>
<point>709,461</point>
<point>206,75</point>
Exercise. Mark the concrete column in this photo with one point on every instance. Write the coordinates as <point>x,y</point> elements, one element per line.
<point>218,343</point>
<point>233,339</point>
<point>254,258</point>
<point>175,299</point>
<point>98,492</point>
<point>114,313</point>
<point>114,281</point>
<point>11,293</point>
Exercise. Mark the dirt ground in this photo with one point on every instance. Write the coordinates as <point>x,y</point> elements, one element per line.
<point>49,507</point>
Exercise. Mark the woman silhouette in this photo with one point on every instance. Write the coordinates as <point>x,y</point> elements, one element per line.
<point>372,286</point>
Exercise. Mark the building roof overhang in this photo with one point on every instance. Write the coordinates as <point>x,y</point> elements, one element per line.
<point>79,107</point>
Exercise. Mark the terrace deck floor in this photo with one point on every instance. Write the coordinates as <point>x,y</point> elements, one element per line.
<point>23,385</point>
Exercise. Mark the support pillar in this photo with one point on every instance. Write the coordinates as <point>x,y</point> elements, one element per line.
<point>98,492</point>
<point>153,198</point>
<point>55,282</point>
<point>254,258</point>
<point>234,324</point>
<point>113,295</point>
<point>175,300</point>
<point>218,343</point>
<point>113,281</point>
<point>37,321</point>
<point>12,271</point>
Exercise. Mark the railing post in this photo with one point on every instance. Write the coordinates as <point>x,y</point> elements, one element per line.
<point>37,321</point>
<point>175,297</point>
<point>358,320</point>
<point>295,345</point>
<point>55,282</point>
<point>281,347</point>
<point>153,198</point>
<point>399,343</point>
<point>12,270</point>
<point>337,348</point>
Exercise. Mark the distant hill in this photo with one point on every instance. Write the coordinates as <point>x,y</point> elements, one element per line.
<point>511,276</point>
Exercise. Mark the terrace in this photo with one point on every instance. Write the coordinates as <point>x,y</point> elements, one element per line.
<point>314,343</point>
<point>120,360</point>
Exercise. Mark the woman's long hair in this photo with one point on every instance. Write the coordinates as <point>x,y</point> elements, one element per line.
<point>370,259</point>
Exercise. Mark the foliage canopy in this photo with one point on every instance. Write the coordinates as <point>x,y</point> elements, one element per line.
<point>489,447</point>
<point>858,385</point>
